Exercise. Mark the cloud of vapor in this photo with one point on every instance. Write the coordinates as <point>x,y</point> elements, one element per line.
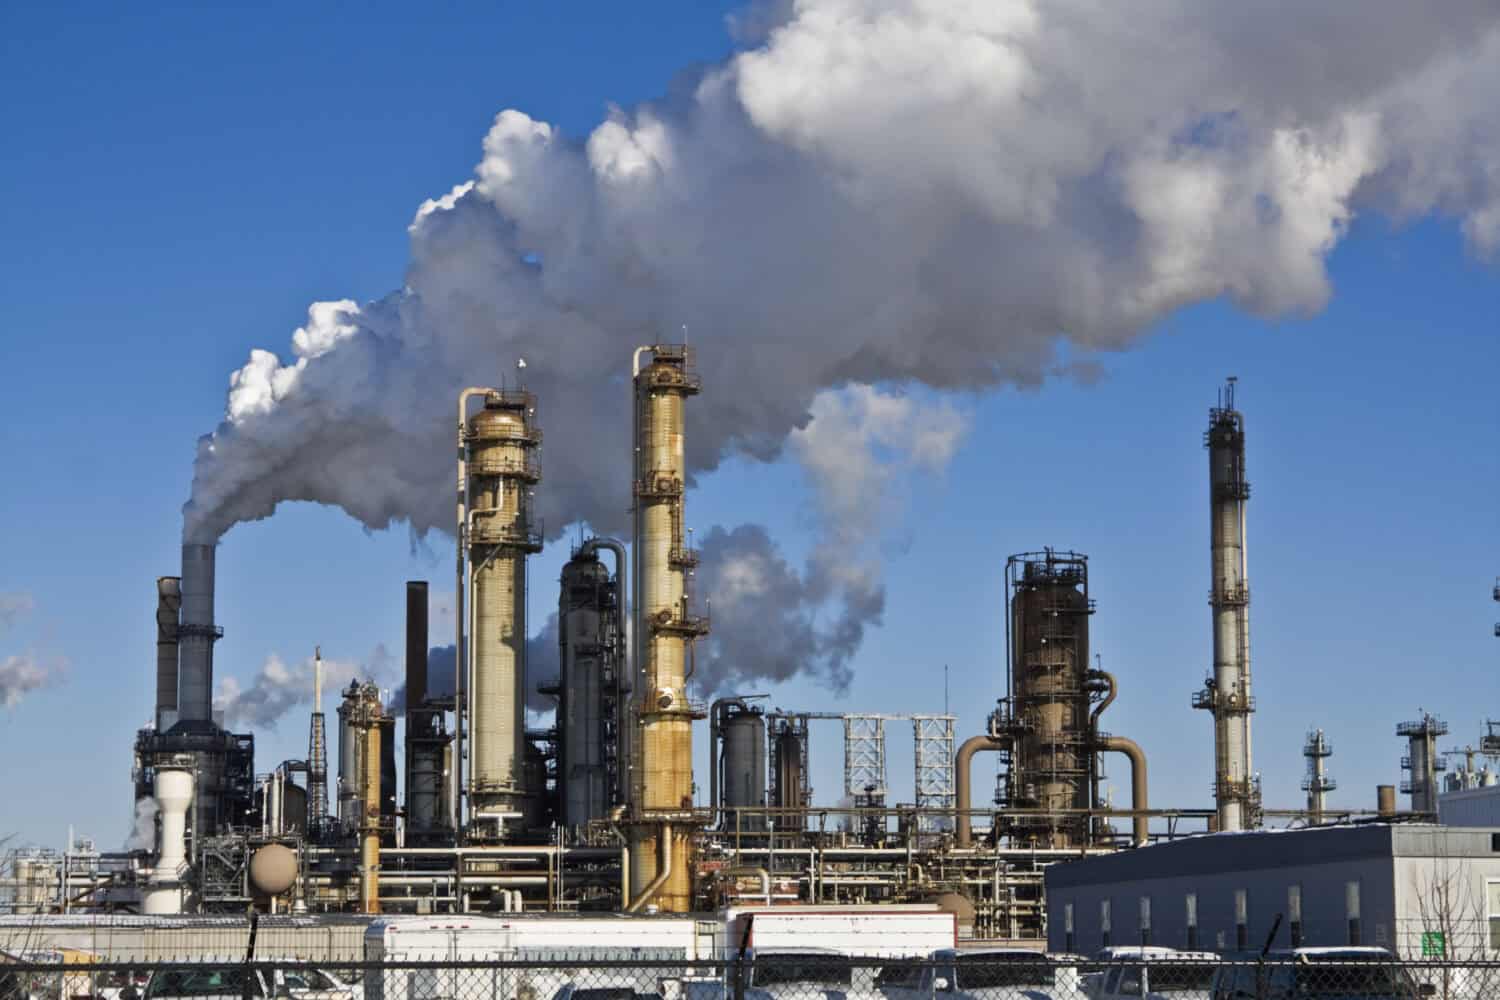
<point>771,620</point>
<point>23,673</point>
<point>279,687</point>
<point>143,826</point>
<point>956,193</point>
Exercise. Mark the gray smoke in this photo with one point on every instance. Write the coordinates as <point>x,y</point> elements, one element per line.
<point>13,607</point>
<point>957,194</point>
<point>143,826</point>
<point>278,687</point>
<point>23,673</point>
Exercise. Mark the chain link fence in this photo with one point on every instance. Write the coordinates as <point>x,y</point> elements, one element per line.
<point>582,975</point>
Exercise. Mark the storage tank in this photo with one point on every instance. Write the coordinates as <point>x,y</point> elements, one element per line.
<point>742,730</point>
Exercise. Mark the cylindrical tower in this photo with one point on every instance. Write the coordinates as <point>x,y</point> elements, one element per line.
<point>351,754</point>
<point>174,794</point>
<point>1047,717</point>
<point>1317,783</point>
<point>370,721</point>
<point>1422,761</point>
<point>665,630</point>
<point>196,635</point>
<point>317,756</point>
<point>742,763</point>
<point>789,789</point>
<point>502,468</point>
<point>590,637</point>
<point>1227,693</point>
<point>425,735</point>
<point>168,609</point>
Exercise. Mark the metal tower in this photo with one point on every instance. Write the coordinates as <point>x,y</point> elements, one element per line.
<point>1317,784</point>
<point>935,793</point>
<point>1422,761</point>
<point>317,755</point>
<point>1226,694</point>
<point>864,759</point>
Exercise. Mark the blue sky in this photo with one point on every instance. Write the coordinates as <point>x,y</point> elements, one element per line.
<point>181,185</point>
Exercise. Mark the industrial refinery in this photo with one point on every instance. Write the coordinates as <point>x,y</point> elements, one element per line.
<point>597,813</point>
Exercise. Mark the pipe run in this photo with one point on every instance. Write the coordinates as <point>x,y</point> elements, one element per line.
<point>664,872</point>
<point>1140,822</point>
<point>962,824</point>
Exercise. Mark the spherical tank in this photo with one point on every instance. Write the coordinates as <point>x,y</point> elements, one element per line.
<point>273,869</point>
<point>744,764</point>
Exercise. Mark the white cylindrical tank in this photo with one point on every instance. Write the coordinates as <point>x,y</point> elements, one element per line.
<point>174,794</point>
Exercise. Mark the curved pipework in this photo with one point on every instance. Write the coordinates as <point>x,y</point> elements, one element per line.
<point>664,870</point>
<point>1140,823</point>
<point>961,762</point>
<point>1112,689</point>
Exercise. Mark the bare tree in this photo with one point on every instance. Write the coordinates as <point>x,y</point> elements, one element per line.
<point>1452,925</point>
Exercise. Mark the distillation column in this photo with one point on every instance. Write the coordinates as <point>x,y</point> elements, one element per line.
<point>664,633</point>
<point>1423,761</point>
<point>1227,692</point>
<point>591,646</point>
<point>1317,783</point>
<point>502,467</point>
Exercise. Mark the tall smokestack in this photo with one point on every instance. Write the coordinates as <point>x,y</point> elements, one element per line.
<point>1227,693</point>
<point>1317,784</point>
<point>168,611</point>
<point>664,632</point>
<point>197,635</point>
<point>416,644</point>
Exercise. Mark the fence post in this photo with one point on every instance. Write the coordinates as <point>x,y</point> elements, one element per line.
<point>739,959</point>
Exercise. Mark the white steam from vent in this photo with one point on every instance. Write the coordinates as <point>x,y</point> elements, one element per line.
<point>143,826</point>
<point>278,687</point>
<point>958,193</point>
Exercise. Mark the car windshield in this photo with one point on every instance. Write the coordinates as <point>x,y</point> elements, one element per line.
<point>898,975</point>
<point>1179,977</point>
<point>981,972</point>
<point>1351,980</point>
<point>206,981</point>
<point>605,993</point>
<point>773,970</point>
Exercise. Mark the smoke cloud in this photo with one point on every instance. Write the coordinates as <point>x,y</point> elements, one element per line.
<point>143,826</point>
<point>23,673</point>
<point>862,449</point>
<point>957,194</point>
<point>278,687</point>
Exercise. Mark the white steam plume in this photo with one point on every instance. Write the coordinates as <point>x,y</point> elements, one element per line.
<point>279,687</point>
<point>772,620</point>
<point>961,193</point>
<point>13,607</point>
<point>23,673</point>
<point>143,826</point>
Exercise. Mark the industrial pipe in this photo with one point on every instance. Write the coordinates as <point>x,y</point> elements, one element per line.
<point>965,757</point>
<point>664,872</point>
<point>1140,822</point>
<point>760,873</point>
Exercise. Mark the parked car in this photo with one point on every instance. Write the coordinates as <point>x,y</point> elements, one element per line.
<point>1155,974</point>
<point>1315,973</point>
<point>808,974</point>
<point>226,981</point>
<point>989,974</point>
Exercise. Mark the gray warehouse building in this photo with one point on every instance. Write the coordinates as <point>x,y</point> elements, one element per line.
<point>1416,889</point>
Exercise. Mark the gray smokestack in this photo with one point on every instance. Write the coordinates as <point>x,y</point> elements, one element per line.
<point>196,635</point>
<point>168,604</point>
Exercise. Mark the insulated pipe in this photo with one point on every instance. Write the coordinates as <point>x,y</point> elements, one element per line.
<point>664,870</point>
<point>1140,822</point>
<point>961,763</point>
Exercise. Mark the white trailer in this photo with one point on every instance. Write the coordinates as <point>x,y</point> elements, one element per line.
<point>525,939</point>
<point>896,931</point>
